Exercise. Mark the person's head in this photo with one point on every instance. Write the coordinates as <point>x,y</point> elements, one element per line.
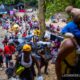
<point>27,49</point>
<point>68,9</point>
<point>10,44</point>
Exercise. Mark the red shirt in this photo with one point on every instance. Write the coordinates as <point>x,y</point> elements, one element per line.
<point>7,50</point>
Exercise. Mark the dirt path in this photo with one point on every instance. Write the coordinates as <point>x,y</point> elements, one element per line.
<point>50,76</point>
<point>3,76</point>
<point>51,68</point>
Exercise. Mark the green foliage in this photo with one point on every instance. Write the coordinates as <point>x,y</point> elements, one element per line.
<point>8,2</point>
<point>0,2</point>
<point>55,6</point>
<point>77,3</point>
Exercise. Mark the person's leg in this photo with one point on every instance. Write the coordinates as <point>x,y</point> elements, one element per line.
<point>6,61</point>
<point>46,67</point>
<point>8,58</point>
<point>44,63</point>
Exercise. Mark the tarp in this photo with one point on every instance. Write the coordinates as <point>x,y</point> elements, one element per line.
<point>2,11</point>
<point>19,14</point>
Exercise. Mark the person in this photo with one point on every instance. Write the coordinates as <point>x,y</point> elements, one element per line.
<point>27,61</point>
<point>73,27</point>
<point>43,51</point>
<point>8,51</point>
<point>37,32</point>
<point>43,61</point>
<point>67,63</point>
<point>72,11</point>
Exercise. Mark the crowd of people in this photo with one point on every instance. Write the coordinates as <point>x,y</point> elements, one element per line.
<point>23,47</point>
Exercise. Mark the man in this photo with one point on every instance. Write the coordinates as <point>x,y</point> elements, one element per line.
<point>67,62</point>
<point>27,61</point>
<point>72,26</point>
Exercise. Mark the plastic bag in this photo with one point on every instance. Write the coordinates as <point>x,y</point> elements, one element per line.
<point>39,78</point>
<point>20,70</point>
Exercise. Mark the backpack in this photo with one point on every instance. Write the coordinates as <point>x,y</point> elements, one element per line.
<point>72,68</point>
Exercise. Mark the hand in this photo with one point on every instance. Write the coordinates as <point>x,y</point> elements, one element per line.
<point>44,57</point>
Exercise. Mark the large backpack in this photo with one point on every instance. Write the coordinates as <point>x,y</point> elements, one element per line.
<point>71,64</point>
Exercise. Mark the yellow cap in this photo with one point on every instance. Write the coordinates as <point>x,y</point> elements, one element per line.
<point>26,47</point>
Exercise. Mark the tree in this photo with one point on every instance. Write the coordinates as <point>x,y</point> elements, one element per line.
<point>41,15</point>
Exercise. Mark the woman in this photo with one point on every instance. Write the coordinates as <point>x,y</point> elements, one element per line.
<point>67,61</point>
<point>27,61</point>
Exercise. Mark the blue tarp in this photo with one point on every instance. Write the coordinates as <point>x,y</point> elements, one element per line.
<point>2,11</point>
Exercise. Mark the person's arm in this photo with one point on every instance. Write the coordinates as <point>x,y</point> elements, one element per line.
<point>63,52</point>
<point>38,65</point>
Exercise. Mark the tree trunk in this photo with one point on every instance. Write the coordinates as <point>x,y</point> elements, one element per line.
<point>41,15</point>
